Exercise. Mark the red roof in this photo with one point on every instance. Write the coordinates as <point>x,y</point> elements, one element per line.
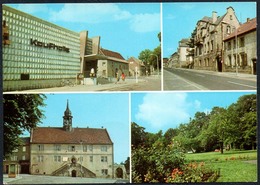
<point>57,135</point>
<point>109,53</point>
<point>250,25</point>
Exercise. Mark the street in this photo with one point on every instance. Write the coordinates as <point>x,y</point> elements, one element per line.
<point>190,79</point>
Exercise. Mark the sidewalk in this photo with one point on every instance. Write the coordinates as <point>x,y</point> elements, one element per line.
<point>91,88</point>
<point>229,74</point>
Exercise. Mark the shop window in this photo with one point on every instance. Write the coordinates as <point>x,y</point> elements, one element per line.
<point>25,77</point>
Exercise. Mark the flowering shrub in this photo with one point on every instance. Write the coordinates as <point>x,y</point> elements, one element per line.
<point>193,172</point>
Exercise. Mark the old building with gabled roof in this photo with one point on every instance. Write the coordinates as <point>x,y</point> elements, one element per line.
<point>241,48</point>
<point>208,40</point>
<point>69,151</point>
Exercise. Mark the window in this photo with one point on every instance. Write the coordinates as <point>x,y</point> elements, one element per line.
<point>228,45</point>
<point>234,44</point>
<point>242,42</point>
<point>16,150</point>
<point>103,158</point>
<point>90,158</point>
<point>57,158</point>
<point>23,157</point>
<point>85,148</point>
<point>40,158</point>
<point>104,148</point>
<point>104,171</point>
<point>14,158</point>
<point>243,59</point>
<point>57,147</point>
<point>72,148</point>
<point>40,147</point>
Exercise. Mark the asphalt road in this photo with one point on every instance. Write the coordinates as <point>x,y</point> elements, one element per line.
<point>190,79</point>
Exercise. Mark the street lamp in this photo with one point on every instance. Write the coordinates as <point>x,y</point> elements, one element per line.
<point>157,62</point>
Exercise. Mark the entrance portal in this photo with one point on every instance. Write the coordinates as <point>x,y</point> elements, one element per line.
<point>254,66</point>
<point>219,64</point>
<point>74,173</point>
<point>119,173</point>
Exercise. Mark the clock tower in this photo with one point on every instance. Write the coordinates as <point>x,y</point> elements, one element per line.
<point>67,118</point>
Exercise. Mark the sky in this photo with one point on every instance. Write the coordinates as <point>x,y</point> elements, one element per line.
<point>127,28</point>
<point>161,111</point>
<point>93,110</point>
<point>180,19</point>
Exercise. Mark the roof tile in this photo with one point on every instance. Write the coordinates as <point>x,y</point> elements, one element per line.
<point>57,135</point>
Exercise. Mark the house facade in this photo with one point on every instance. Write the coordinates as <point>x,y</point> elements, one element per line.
<point>66,151</point>
<point>136,65</point>
<point>184,59</point>
<point>208,40</point>
<point>240,52</point>
<point>173,61</point>
<point>69,151</point>
<point>20,158</point>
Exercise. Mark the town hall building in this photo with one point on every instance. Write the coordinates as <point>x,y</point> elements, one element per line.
<point>66,151</point>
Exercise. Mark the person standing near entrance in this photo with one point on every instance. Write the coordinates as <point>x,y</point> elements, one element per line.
<point>92,72</point>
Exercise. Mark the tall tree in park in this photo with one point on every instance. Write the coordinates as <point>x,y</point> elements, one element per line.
<point>21,113</point>
<point>244,118</point>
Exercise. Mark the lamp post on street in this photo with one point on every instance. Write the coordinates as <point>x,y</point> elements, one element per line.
<point>157,62</point>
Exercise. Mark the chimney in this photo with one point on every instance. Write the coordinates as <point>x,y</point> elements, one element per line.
<point>214,16</point>
<point>247,19</point>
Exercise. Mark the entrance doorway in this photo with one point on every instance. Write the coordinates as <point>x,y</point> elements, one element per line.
<point>89,64</point>
<point>74,173</point>
<point>254,66</point>
<point>219,64</point>
<point>119,173</point>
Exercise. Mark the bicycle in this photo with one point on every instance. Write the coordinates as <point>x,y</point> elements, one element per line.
<point>65,82</point>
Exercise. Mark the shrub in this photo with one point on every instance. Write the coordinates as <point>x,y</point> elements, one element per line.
<point>193,172</point>
<point>153,164</point>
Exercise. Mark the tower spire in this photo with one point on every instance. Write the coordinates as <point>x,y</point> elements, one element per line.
<point>67,118</point>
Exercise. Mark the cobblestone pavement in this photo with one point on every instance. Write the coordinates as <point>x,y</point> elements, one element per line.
<point>44,179</point>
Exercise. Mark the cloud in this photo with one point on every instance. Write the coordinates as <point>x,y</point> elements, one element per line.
<point>105,13</point>
<point>164,109</point>
<point>145,22</point>
<point>33,8</point>
<point>90,13</point>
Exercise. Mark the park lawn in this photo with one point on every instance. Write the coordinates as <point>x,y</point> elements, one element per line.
<point>235,166</point>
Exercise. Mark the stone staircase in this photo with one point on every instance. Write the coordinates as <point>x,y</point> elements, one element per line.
<point>65,171</point>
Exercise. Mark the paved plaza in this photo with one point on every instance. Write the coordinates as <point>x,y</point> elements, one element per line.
<point>44,179</point>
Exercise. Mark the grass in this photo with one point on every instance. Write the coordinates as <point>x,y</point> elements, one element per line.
<point>235,166</point>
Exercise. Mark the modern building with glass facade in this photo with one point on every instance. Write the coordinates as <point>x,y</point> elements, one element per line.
<point>36,53</point>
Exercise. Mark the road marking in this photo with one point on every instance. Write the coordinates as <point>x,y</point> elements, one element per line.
<point>241,84</point>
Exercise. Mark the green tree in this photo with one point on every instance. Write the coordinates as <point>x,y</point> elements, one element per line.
<point>138,135</point>
<point>145,56</point>
<point>21,113</point>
